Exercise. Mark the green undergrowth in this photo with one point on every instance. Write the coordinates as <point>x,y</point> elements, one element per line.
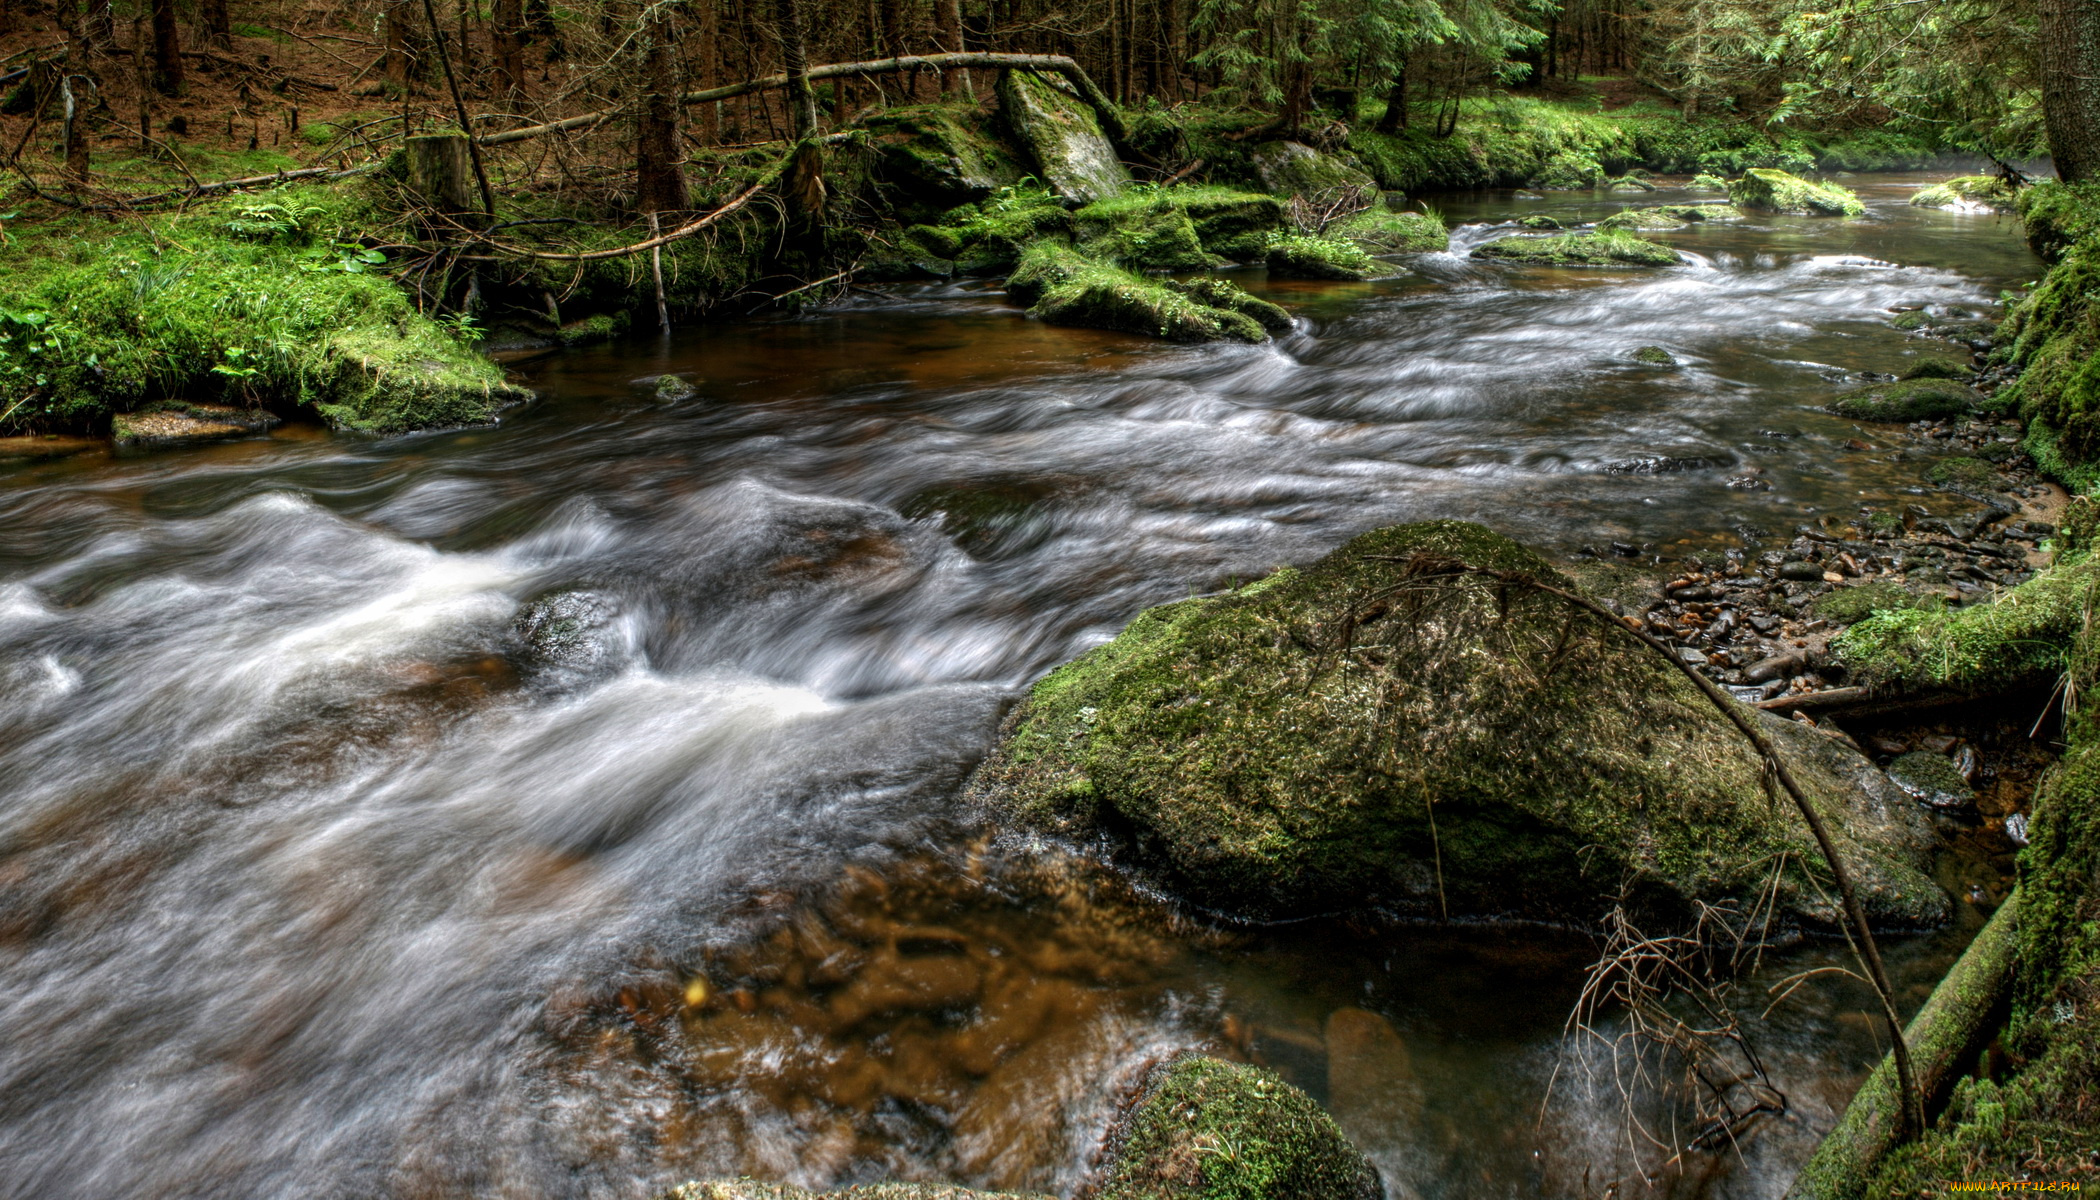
<point>1302,256</point>
<point>1066,287</point>
<point>1907,400</point>
<point>1980,189</point>
<point>257,299</point>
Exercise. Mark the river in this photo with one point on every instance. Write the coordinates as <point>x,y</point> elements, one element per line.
<point>480,813</point>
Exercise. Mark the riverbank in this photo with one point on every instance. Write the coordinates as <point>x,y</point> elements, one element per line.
<point>349,303</point>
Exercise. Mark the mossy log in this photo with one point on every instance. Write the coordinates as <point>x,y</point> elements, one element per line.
<point>1943,1038</point>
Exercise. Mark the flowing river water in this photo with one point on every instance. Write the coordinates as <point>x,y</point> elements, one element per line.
<point>568,807</point>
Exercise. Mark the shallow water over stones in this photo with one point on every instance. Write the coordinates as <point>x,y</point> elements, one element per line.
<point>452,814</point>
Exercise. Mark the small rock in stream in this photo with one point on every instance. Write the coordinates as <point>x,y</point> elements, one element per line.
<point>1931,779</point>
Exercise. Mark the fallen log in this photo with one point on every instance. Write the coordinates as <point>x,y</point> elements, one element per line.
<point>1104,110</point>
<point>1944,1037</point>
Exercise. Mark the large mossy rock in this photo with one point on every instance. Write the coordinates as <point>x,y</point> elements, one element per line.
<point>1202,1129</point>
<point>1613,248</point>
<point>1230,223</point>
<point>752,1189</point>
<point>1142,232</point>
<point>1383,232</point>
<point>1972,192</point>
<point>1299,256</point>
<point>927,154</point>
<point>1925,399</point>
<point>1361,734</point>
<point>1065,287</point>
<point>1762,189</point>
<point>1296,169</point>
<point>1061,135</point>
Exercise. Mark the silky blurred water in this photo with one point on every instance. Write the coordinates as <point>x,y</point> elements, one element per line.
<point>307,824</point>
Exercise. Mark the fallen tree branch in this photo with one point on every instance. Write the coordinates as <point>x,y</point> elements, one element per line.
<point>686,230</point>
<point>1111,120</point>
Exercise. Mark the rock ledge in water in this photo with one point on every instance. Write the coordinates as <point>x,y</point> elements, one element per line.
<point>1349,736</point>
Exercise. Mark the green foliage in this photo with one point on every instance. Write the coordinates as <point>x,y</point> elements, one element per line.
<point>2053,334</point>
<point>1381,231</point>
<point>1065,287</point>
<point>1851,605</point>
<point>1978,189</point>
<point>96,320</point>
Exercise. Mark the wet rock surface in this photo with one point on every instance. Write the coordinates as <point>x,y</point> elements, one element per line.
<point>188,425</point>
<point>1351,736</point>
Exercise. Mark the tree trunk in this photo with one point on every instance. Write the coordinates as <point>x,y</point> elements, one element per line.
<point>951,10</point>
<point>507,47</point>
<point>2070,68</point>
<point>404,45</point>
<point>802,99</point>
<point>213,25</point>
<point>1395,118</point>
<point>167,50</point>
<point>659,170</point>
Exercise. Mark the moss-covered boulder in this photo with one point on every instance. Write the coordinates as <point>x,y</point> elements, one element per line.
<point>1907,400</point>
<point>1655,356</point>
<point>1375,731</point>
<point>1060,135</point>
<point>932,155</point>
<point>1539,221</point>
<point>1381,231</point>
<point>1145,232</point>
<point>1975,193</point>
<point>1065,287</point>
<point>1762,189</point>
<point>1301,256</point>
<point>1202,1129</point>
<point>1230,223</point>
<point>1213,292</point>
<point>991,236</point>
<point>752,1189</point>
<point>1642,219</point>
<point>1296,169</point>
<point>1612,248</point>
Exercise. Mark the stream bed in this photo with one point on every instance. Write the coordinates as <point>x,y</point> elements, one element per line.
<point>567,807</point>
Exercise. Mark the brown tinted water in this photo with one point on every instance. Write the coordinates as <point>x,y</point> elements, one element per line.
<point>337,859</point>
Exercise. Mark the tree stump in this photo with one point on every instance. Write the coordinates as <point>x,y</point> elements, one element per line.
<point>441,171</point>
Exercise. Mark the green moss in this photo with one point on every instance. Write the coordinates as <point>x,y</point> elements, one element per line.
<point>1381,231</point>
<point>1641,218</point>
<point>1328,738</point>
<point>1654,356</point>
<point>752,1189</point>
<point>1065,287</point>
<point>1295,169</point>
<point>599,327</point>
<point>994,234</point>
<point>1907,400</point>
<point>1939,368</point>
<point>1213,292</point>
<point>1230,223</point>
<point>1568,170</point>
<point>2021,638</point>
<point>1202,1129</point>
<point>1974,189</point>
<point>249,299</point>
<point>1850,605</point>
<point>2058,216</point>
<point>1962,471</point>
<point>1764,190</point>
<point>1707,182</point>
<point>1539,221</point>
<point>937,155</point>
<point>1061,137</point>
<point>1299,256</point>
<point>1609,249</point>
<point>1143,231</point>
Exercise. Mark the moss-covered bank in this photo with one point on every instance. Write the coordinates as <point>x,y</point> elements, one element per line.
<point>1346,736</point>
<point>244,302</point>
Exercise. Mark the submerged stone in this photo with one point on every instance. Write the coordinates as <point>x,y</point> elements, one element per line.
<point>188,425</point>
<point>1357,735</point>
<point>1200,1128</point>
<point>1931,779</point>
<point>1609,249</point>
<point>1907,400</point>
<point>1061,135</point>
<point>1763,189</point>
